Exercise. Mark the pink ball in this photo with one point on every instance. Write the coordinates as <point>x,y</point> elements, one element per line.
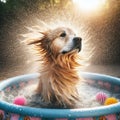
<point>20,100</point>
<point>101,97</point>
<point>111,117</point>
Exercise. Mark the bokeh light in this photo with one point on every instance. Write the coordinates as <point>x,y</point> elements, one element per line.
<point>4,1</point>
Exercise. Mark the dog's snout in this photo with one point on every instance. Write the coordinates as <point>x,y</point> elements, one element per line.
<point>77,40</point>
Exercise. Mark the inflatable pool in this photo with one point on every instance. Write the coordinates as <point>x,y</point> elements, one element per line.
<point>10,111</point>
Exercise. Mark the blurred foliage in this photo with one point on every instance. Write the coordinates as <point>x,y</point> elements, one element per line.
<point>11,8</point>
<point>15,5</point>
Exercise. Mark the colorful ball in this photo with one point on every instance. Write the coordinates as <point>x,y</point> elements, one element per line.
<point>101,97</point>
<point>111,117</point>
<point>20,100</point>
<point>110,101</point>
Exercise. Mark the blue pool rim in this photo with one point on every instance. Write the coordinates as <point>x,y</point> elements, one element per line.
<point>59,113</point>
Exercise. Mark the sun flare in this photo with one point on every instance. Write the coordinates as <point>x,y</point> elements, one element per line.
<point>90,5</point>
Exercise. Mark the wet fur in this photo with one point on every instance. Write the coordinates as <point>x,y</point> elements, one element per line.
<point>58,72</point>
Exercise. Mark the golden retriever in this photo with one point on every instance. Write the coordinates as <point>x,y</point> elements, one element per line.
<point>58,52</point>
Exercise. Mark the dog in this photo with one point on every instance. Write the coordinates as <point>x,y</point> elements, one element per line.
<point>58,52</point>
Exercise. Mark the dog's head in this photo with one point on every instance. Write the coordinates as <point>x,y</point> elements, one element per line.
<point>59,41</point>
<point>64,40</point>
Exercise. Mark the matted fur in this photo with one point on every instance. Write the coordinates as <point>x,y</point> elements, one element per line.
<point>58,72</point>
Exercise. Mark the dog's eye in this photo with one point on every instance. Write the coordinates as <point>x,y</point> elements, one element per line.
<point>63,34</point>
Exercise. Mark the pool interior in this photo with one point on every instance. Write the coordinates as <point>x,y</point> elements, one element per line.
<point>87,90</point>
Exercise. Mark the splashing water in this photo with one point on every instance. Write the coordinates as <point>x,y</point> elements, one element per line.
<point>95,30</point>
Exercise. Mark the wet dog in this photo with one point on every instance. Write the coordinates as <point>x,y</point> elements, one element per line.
<point>58,53</point>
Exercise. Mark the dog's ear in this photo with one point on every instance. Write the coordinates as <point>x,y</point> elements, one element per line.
<point>34,37</point>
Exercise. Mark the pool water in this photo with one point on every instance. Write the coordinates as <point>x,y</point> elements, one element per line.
<point>87,90</point>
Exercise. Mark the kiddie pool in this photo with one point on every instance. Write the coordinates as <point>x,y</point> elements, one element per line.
<point>14,112</point>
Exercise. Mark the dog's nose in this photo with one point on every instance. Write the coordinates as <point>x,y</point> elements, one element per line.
<point>77,40</point>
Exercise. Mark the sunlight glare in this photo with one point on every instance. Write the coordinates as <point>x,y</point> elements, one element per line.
<point>89,5</point>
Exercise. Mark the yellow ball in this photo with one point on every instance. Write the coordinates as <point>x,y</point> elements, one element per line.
<point>110,101</point>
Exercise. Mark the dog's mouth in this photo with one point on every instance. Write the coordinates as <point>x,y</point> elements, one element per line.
<point>78,48</point>
<point>77,45</point>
